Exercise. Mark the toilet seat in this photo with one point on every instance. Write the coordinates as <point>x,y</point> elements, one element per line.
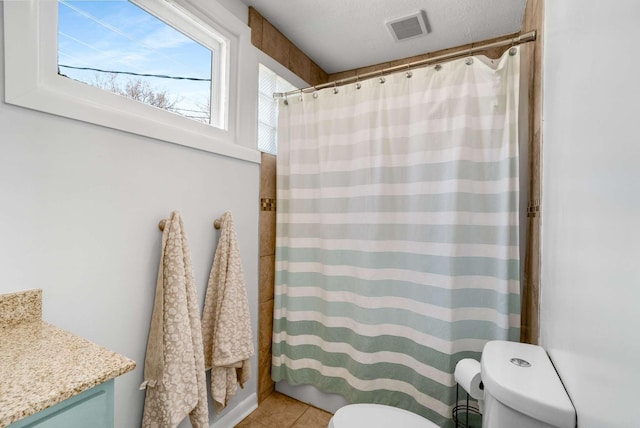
<point>377,416</point>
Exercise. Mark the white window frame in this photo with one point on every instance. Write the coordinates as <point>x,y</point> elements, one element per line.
<point>32,79</point>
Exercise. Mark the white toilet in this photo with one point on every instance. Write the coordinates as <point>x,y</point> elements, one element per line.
<point>522,389</point>
<point>377,416</point>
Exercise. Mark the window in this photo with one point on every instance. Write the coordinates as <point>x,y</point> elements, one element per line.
<point>51,67</point>
<point>121,48</point>
<point>269,82</point>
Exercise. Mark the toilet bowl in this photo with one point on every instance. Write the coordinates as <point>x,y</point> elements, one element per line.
<point>377,416</point>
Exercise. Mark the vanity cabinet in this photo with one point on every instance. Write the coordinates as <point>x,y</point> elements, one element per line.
<point>92,408</point>
<point>49,377</point>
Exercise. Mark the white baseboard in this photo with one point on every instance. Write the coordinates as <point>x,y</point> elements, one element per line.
<point>238,413</point>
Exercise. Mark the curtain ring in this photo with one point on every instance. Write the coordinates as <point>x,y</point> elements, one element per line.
<point>286,101</point>
<point>469,59</point>
<point>513,50</point>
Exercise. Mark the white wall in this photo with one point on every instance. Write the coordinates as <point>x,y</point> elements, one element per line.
<point>591,206</point>
<point>80,206</point>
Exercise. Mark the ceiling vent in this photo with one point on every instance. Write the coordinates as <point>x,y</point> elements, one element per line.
<point>408,27</point>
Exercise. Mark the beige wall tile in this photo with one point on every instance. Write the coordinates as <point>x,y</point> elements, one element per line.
<point>267,274</point>
<point>255,23</point>
<point>265,385</point>
<point>318,75</point>
<point>265,331</point>
<point>268,176</point>
<point>274,43</point>
<point>299,63</point>
<point>267,233</point>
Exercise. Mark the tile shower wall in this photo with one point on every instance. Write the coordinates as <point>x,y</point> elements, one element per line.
<point>267,268</point>
<point>268,39</point>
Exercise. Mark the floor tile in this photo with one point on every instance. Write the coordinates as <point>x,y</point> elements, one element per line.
<point>313,418</point>
<point>277,410</point>
<point>250,423</point>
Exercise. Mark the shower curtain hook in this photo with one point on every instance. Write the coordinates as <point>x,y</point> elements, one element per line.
<point>382,79</point>
<point>409,73</point>
<point>285,101</point>
<point>358,84</point>
<point>469,59</point>
<point>512,49</point>
<point>315,92</point>
<point>335,87</point>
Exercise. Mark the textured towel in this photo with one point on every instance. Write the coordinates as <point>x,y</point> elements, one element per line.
<point>174,374</point>
<point>226,326</point>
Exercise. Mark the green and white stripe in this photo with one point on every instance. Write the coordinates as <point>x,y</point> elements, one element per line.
<point>397,247</point>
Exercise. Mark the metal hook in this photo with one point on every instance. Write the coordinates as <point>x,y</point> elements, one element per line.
<point>358,84</point>
<point>469,59</point>
<point>409,73</point>
<point>335,87</point>
<point>382,79</point>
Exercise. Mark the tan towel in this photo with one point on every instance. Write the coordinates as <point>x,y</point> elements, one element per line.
<point>226,326</point>
<point>174,374</point>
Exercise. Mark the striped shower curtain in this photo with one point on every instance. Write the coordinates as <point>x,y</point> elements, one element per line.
<point>397,247</point>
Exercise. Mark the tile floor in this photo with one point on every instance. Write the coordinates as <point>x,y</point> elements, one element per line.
<point>281,411</point>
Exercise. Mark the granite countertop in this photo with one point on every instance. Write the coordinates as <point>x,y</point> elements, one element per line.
<point>42,365</point>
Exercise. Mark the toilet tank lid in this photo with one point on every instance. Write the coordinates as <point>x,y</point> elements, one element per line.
<point>535,390</point>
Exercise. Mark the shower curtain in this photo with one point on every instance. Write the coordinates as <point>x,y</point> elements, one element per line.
<point>397,248</point>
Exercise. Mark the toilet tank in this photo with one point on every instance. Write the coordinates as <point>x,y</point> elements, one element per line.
<point>522,388</point>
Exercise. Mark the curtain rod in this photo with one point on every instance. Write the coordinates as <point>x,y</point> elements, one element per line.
<point>522,38</point>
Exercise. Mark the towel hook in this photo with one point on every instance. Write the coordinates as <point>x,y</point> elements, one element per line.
<point>217,223</point>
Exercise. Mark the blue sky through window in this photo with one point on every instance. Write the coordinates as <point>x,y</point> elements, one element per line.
<point>119,37</point>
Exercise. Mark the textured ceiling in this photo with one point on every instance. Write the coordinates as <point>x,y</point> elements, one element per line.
<point>346,34</point>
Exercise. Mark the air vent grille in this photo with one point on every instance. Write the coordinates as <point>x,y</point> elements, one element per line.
<point>407,27</point>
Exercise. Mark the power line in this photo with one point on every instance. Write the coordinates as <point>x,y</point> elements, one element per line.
<point>161,76</point>
<point>121,33</point>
